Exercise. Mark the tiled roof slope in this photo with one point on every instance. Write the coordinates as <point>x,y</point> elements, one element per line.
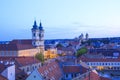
<point>20,61</point>
<point>74,69</point>
<point>21,41</point>
<point>23,61</point>
<point>19,74</point>
<point>94,76</point>
<point>17,45</point>
<point>3,78</point>
<point>84,59</point>
<point>51,71</point>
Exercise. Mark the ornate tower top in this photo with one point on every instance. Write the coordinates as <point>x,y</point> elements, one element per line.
<point>40,27</point>
<point>38,36</point>
<point>87,36</point>
<point>35,25</point>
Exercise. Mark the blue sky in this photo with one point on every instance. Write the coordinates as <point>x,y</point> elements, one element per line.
<point>60,18</point>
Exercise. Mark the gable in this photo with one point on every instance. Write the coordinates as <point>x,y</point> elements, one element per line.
<point>35,75</point>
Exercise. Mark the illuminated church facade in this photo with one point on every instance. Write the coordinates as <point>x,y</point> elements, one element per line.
<point>25,47</point>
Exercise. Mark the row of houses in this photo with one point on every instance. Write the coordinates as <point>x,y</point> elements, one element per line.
<point>29,68</point>
<point>102,63</point>
<point>20,67</point>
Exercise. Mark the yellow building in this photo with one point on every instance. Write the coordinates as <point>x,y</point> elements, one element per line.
<point>50,53</point>
<point>17,48</point>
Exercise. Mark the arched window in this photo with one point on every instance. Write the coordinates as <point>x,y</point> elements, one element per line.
<point>34,34</point>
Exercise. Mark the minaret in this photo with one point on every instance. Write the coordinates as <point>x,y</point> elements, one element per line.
<point>35,35</point>
<point>41,37</point>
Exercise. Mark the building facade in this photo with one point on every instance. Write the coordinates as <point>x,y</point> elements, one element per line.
<point>102,63</point>
<point>25,47</point>
<point>38,36</point>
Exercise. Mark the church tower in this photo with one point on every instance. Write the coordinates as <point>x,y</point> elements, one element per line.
<point>41,37</point>
<point>87,36</point>
<point>38,36</point>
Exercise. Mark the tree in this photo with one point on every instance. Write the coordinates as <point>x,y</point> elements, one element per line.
<point>40,57</point>
<point>59,45</point>
<point>81,51</point>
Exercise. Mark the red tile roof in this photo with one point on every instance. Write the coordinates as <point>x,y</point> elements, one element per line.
<point>103,78</point>
<point>85,59</point>
<point>73,43</point>
<point>51,71</point>
<point>105,52</point>
<point>74,69</point>
<point>66,49</point>
<point>94,76</point>
<point>3,78</point>
<point>20,61</point>
<point>23,61</point>
<point>19,74</point>
<point>17,45</point>
<point>8,47</point>
<point>7,58</point>
<point>21,41</point>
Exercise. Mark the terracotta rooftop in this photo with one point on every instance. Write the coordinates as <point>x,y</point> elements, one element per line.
<point>94,76</point>
<point>51,71</point>
<point>85,59</point>
<point>66,49</point>
<point>3,78</point>
<point>73,43</point>
<point>21,41</point>
<point>105,52</point>
<point>74,69</point>
<point>19,74</point>
<point>17,45</point>
<point>20,61</point>
<point>23,61</point>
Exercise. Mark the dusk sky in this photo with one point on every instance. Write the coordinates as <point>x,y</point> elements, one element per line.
<point>60,18</point>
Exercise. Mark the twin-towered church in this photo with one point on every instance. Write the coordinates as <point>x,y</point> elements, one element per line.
<point>25,47</point>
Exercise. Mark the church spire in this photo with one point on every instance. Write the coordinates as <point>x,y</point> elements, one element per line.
<point>35,25</point>
<point>40,27</point>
